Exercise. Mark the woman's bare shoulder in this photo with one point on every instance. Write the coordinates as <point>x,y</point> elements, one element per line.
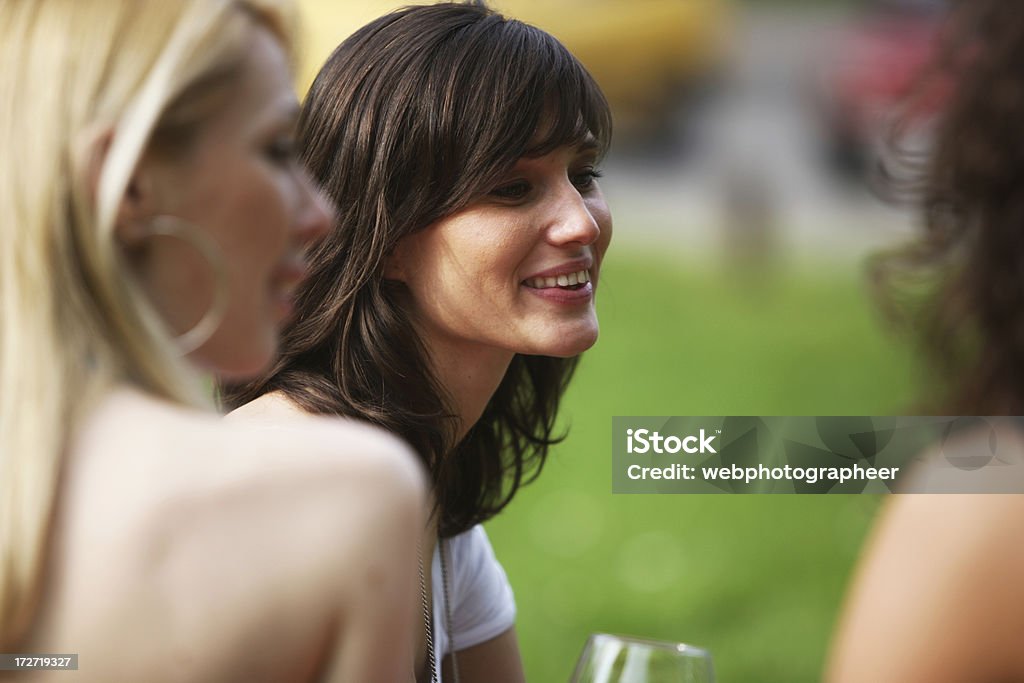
<point>938,595</point>
<point>213,530</point>
<point>187,465</point>
<point>272,407</point>
<point>196,448</point>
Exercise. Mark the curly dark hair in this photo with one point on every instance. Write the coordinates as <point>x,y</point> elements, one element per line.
<point>959,289</point>
<point>413,117</point>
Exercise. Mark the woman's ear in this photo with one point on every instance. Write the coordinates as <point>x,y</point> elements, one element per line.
<point>136,205</point>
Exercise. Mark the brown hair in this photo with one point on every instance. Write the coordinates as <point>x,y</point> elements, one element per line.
<point>959,289</point>
<point>412,118</point>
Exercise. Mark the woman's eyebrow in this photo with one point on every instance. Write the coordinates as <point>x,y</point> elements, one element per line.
<point>589,146</point>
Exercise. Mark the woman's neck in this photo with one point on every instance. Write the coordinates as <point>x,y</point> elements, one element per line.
<point>469,378</point>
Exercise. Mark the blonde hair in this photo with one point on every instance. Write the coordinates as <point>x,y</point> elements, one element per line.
<point>84,81</point>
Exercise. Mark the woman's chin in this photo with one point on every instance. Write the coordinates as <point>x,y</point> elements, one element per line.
<point>567,346</point>
<point>237,362</point>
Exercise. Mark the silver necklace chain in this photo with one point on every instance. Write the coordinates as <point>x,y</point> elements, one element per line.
<point>428,621</point>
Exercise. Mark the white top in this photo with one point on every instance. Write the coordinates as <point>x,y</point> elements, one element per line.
<point>483,606</point>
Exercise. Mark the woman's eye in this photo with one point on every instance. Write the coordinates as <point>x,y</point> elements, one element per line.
<point>514,190</point>
<point>585,180</point>
<point>281,151</point>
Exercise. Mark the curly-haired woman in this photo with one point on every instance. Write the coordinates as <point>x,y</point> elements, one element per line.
<point>939,596</point>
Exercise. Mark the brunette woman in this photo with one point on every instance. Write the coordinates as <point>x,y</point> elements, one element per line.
<point>456,291</point>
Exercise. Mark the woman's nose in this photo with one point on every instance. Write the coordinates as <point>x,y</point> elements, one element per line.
<point>572,221</point>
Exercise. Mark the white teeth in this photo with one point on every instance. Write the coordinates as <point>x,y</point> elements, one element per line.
<point>579,278</point>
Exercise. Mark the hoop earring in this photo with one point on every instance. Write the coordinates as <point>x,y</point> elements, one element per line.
<point>171,226</point>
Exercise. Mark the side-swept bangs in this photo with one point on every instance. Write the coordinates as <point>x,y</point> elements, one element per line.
<point>510,90</point>
<point>454,92</point>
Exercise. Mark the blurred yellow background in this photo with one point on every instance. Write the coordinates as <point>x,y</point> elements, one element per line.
<point>644,53</point>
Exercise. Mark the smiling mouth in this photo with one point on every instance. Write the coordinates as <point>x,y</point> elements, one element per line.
<point>570,281</point>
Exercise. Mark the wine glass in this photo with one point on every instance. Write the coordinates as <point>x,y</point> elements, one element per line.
<point>622,659</point>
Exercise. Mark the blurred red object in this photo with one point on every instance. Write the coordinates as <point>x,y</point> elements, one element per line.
<point>873,74</point>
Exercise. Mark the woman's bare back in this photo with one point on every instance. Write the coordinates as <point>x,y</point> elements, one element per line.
<point>188,548</point>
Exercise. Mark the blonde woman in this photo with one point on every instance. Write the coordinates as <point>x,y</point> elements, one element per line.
<point>151,217</point>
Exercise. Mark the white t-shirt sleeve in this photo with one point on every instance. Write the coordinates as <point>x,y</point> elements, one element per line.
<point>483,606</point>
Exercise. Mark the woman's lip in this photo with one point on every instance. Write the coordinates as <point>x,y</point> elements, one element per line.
<point>289,274</point>
<point>565,296</point>
<point>284,283</point>
<point>284,304</point>
<point>564,269</point>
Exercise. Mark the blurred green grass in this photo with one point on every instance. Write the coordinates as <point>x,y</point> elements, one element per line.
<point>756,579</point>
